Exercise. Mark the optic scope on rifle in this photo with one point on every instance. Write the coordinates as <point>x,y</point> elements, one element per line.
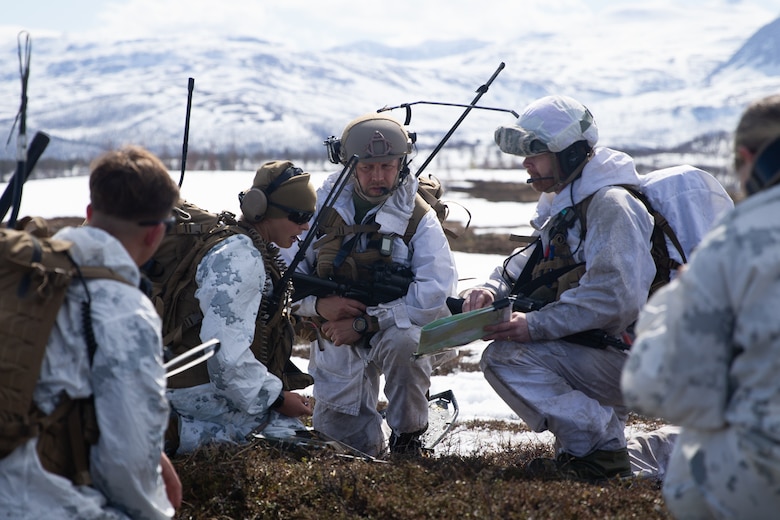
<point>387,287</point>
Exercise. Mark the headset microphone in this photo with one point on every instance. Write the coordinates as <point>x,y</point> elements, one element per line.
<point>532,180</point>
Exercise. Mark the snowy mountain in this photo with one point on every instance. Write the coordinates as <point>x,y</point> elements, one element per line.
<point>653,80</point>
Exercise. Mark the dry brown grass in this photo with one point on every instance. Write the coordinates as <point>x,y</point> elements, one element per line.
<point>261,481</point>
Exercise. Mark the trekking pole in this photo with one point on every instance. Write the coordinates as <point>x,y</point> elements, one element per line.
<point>21,140</point>
<point>480,92</point>
<point>190,87</point>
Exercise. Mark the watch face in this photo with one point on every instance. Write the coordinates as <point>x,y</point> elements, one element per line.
<point>360,324</point>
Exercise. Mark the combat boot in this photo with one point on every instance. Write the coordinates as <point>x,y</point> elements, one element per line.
<point>597,466</point>
<point>407,445</point>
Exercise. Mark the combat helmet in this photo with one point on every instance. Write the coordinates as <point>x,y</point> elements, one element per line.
<point>374,138</point>
<point>552,124</point>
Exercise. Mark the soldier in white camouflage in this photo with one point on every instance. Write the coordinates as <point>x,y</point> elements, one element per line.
<point>707,353</point>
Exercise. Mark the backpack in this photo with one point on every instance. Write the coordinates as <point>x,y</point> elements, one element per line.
<point>430,190</point>
<point>684,202</point>
<point>172,269</point>
<point>35,273</point>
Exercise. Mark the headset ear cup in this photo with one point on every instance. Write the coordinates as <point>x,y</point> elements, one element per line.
<point>254,205</point>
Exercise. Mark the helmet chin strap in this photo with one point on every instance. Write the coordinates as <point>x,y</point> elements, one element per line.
<point>560,184</point>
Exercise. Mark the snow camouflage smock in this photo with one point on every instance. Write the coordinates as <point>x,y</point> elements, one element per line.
<point>128,382</point>
<point>571,390</point>
<point>707,358</point>
<point>232,281</point>
<point>347,378</point>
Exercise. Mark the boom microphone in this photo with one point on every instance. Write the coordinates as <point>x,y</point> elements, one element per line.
<point>532,180</point>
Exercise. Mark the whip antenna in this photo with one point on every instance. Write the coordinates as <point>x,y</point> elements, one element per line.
<point>190,87</point>
<point>21,140</point>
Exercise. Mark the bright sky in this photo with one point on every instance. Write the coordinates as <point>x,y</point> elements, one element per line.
<point>309,24</point>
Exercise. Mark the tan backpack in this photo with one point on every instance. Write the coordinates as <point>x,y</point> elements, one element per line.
<point>35,273</point>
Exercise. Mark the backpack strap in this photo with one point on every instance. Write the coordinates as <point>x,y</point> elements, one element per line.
<point>664,264</point>
<point>421,207</point>
<point>660,222</point>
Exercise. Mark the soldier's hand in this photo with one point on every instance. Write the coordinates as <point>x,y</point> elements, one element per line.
<point>476,298</point>
<point>516,329</point>
<point>340,332</point>
<point>334,308</point>
<point>295,405</point>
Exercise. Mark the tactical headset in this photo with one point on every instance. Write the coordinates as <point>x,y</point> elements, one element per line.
<point>254,202</point>
<point>766,168</point>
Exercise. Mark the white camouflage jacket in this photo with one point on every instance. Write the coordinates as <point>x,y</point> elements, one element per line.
<point>707,353</point>
<point>128,381</point>
<point>231,282</point>
<point>619,267</point>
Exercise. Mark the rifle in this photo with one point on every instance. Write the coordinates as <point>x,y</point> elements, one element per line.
<point>594,338</point>
<point>387,285</point>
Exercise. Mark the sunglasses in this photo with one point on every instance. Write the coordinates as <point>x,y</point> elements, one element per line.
<point>294,215</point>
<point>169,223</point>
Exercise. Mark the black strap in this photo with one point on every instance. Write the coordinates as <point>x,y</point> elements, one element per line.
<point>525,275</point>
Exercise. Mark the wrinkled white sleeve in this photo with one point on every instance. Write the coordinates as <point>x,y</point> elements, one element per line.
<point>435,278</point>
<point>230,279</point>
<point>619,271</point>
<point>129,387</point>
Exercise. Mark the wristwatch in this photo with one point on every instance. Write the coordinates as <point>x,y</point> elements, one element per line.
<point>360,324</point>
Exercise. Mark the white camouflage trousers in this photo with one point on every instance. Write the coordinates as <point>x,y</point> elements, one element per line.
<point>571,390</point>
<point>347,386</point>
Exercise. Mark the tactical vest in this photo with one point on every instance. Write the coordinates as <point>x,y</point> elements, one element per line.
<point>337,259</point>
<point>555,271</point>
<point>273,338</point>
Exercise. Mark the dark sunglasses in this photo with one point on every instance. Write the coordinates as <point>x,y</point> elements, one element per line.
<point>294,215</point>
<point>169,223</point>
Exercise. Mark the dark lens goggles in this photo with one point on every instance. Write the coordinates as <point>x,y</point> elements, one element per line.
<point>169,223</point>
<point>294,215</point>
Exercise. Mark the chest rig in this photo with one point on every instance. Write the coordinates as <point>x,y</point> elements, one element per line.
<point>551,270</point>
<point>336,255</point>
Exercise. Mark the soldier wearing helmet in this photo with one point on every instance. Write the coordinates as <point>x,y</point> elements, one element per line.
<point>379,225</point>
<point>600,281</point>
